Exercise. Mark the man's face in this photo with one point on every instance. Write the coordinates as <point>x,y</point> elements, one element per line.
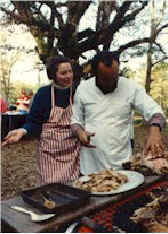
<point>107,77</point>
<point>64,75</point>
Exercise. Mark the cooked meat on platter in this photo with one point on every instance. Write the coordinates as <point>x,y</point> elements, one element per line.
<point>104,181</point>
<point>157,164</point>
<point>154,216</point>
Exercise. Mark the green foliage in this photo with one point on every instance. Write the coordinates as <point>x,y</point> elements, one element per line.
<point>6,86</point>
<point>7,60</point>
<point>161,66</point>
<point>159,85</point>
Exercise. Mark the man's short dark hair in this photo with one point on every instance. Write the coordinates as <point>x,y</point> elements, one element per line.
<point>106,57</point>
<point>52,65</point>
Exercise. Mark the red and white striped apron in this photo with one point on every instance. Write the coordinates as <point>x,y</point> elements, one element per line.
<point>58,159</point>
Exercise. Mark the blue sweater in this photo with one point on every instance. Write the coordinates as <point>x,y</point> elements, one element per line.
<point>41,107</point>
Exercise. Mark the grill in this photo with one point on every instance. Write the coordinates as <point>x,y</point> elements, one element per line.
<point>116,218</point>
<point>65,197</point>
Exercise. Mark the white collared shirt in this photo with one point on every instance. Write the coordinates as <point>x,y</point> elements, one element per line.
<point>109,117</point>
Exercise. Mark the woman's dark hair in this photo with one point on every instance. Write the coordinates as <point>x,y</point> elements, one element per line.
<point>106,57</point>
<point>52,65</point>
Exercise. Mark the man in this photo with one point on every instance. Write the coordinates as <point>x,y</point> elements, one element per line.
<point>102,112</point>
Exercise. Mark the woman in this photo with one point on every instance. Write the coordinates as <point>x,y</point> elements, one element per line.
<point>49,119</point>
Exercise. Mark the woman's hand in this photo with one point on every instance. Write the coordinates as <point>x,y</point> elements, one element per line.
<point>154,142</point>
<point>13,136</point>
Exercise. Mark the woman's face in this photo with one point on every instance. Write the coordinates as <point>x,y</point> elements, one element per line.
<point>64,75</point>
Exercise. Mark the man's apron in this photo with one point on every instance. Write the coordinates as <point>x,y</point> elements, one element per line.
<point>58,159</point>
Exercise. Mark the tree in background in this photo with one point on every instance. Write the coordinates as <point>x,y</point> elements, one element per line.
<point>155,27</point>
<point>56,26</point>
<point>159,85</point>
<point>7,61</point>
<point>16,59</point>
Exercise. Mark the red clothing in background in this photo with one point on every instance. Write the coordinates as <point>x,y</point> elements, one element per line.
<point>4,106</point>
<point>23,102</point>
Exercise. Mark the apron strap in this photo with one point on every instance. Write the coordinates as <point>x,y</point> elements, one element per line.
<point>52,96</point>
<point>71,96</point>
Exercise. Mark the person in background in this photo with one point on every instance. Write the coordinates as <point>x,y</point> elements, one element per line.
<point>23,102</point>
<point>12,108</point>
<point>49,120</point>
<point>4,106</point>
<point>102,113</point>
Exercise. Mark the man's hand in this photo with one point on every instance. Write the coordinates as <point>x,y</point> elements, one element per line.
<point>154,142</point>
<point>13,136</point>
<point>82,135</point>
<point>84,138</point>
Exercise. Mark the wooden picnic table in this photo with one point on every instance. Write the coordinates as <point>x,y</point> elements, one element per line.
<point>13,221</point>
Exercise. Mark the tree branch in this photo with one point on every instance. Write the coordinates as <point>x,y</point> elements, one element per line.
<point>106,35</point>
<point>120,20</point>
<point>84,34</point>
<point>27,18</point>
<point>75,11</point>
<point>153,64</point>
<point>134,43</point>
<point>161,28</point>
<point>59,17</point>
<point>160,47</point>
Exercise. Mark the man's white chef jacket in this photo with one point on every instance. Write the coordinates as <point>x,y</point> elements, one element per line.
<point>109,117</point>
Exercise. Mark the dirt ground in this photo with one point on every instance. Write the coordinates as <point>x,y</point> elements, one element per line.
<point>18,163</point>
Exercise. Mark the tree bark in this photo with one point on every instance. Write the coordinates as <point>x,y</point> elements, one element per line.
<point>153,35</point>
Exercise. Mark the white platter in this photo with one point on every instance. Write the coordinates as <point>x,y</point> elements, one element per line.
<point>134,180</point>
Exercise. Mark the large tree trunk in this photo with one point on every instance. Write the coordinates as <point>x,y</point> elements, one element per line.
<point>149,69</point>
<point>154,27</point>
<point>57,32</point>
<point>103,18</point>
<point>149,53</point>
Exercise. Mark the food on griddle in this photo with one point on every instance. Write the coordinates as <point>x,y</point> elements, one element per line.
<point>154,216</point>
<point>149,164</point>
<point>49,204</point>
<point>104,181</point>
